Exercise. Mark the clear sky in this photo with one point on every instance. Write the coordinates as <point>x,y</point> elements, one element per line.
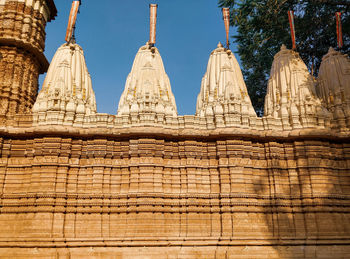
<point>112,31</point>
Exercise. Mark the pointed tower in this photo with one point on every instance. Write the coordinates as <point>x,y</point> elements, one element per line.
<point>147,91</point>
<point>147,97</point>
<point>334,87</point>
<point>223,95</point>
<point>66,95</point>
<point>291,95</point>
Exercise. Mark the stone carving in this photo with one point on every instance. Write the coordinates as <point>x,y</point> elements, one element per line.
<point>68,189</point>
<point>22,42</point>
<point>66,95</point>
<point>291,95</point>
<point>334,87</point>
<point>223,93</point>
<point>147,95</point>
<point>20,21</point>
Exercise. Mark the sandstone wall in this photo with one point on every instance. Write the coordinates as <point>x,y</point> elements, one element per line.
<point>217,194</point>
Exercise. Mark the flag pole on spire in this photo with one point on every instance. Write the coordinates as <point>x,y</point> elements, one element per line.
<point>339,30</point>
<point>153,23</point>
<point>292,28</point>
<point>70,34</point>
<point>226,16</point>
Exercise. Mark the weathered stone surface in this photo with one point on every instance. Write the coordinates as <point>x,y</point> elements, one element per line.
<point>272,195</point>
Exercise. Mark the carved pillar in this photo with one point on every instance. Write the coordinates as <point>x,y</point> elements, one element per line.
<point>22,43</point>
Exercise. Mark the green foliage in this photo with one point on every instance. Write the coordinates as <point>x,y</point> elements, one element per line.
<point>263,26</point>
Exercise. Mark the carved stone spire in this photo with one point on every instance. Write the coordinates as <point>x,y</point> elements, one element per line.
<point>291,95</point>
<point>223,93</point>
<point>147,93</point>
<point>67,93</point>
<point>334,87</point>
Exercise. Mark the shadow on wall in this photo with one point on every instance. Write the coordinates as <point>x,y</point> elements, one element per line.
<point>306,194</point>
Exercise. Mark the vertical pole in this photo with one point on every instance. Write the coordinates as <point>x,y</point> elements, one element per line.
<point>153,23</point>
<point>72,20</point>
<point>226,16</point>
<point>292,27</point>
<point>339,30</point>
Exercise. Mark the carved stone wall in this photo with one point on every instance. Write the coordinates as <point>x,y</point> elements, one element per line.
<point>143,192</point>
<point>22,42</point>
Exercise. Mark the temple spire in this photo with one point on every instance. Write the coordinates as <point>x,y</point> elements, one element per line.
<point>67,96</point>
<point>334,88</point>
<point>223,98</point>
<point>291,95</point>
<point>147,89</point>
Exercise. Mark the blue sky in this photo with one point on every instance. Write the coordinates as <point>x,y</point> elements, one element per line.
<point>111,32</point>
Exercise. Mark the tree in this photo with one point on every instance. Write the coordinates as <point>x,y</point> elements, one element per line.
<point>263,26</point>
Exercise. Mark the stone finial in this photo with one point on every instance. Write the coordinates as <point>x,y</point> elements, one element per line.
<point>331,50</point>
<point>223,91</point>
<point>67,89</point>
<point>291,94</point>
<point>147,88</point>
<point>334,87</point>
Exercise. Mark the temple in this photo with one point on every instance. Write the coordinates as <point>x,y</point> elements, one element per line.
<point>149,183</point>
